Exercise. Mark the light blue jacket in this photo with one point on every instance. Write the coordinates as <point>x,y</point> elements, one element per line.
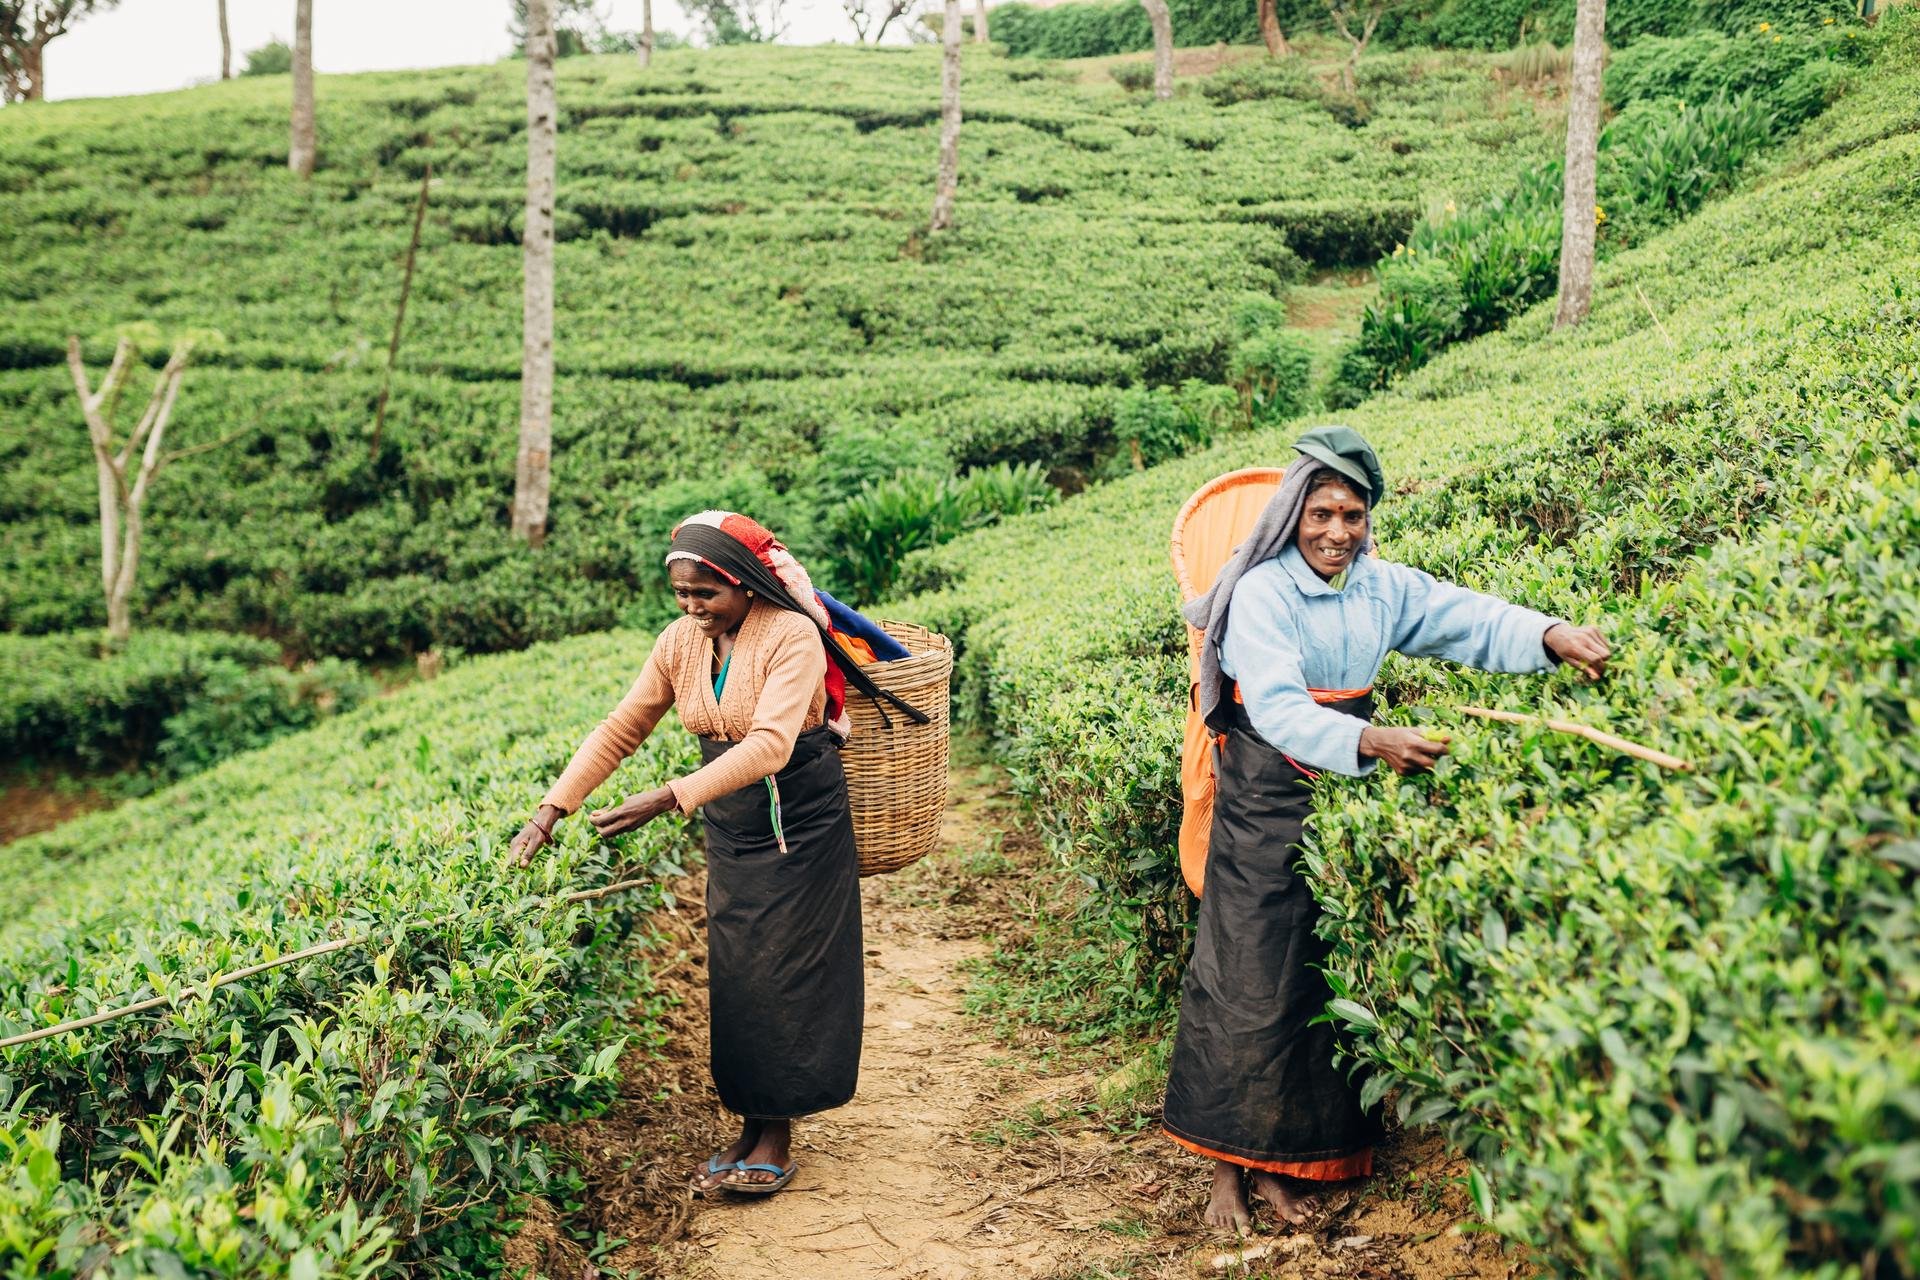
<point>1289,631</point>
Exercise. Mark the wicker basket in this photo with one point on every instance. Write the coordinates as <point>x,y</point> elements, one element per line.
<point>897,776</point>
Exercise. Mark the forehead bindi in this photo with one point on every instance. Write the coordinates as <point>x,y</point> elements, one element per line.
<point>1327,505</point>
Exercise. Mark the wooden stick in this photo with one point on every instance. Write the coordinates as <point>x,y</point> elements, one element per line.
<point>400,313</point>
<point>1650,312</point>
<point>319,949</point>
<point>1588,732</point>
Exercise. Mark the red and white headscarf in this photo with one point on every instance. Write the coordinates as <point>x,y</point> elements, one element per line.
<point>759,541</point>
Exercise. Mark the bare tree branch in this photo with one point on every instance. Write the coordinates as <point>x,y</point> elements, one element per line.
<point>120,523</point>
<point>400,312</point>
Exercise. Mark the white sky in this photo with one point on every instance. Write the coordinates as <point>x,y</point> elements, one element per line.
<point>148,45</point>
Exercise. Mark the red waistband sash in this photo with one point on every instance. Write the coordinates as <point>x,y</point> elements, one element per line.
<point>1325,697</point>
<point>1322,696</point>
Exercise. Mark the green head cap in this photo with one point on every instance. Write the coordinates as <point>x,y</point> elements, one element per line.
<point>1343,449</point>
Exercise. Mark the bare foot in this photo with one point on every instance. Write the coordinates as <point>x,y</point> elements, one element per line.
<point>1290,1198</point>
<point>773,1145</point>
<point>1228,1207</point>
<point>715,1171</point>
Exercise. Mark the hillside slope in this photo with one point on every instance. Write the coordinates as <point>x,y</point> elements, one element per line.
<point>362,1105</point>
<point>748,308</point>
<point>1664,1012</point>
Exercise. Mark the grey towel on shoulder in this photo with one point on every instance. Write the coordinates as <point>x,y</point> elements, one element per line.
<point>1340,448</point>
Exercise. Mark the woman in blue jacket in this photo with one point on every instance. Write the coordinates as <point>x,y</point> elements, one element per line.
<point>1297,626</point>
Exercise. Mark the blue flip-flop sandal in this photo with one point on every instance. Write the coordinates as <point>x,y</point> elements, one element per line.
<point>714,1166</point>
<point>782,1178</point>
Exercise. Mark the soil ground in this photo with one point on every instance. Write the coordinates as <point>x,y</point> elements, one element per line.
<point>35,801</point>
<point>963,1155</point>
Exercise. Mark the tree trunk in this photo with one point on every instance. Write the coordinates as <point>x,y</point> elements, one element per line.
<point>33,70</point>
<point>300,148</point>
<point>646,33</point>
<point>1276,39</point>
<point>948,181</point>
<point>1162,23</point>
<point>120,503</point>
<point>1577,216</point>
<point>226,44</point>
<point>980,22</point>
<point>530,485</point>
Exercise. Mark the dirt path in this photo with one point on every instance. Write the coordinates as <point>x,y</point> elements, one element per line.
<point>895,1184</point>
<point>960,1157</point>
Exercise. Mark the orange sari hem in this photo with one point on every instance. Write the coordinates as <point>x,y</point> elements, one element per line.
<point>1339,1169</point>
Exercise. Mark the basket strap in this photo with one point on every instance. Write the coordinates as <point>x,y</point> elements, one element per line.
<point>875,693</point>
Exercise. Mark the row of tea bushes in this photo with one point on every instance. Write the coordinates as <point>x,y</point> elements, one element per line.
<point>183,701</point>
<point>359,1110</point>
<point>1098,28</point>
<point>1693,111</point>
<point>1668,1015</point>
<point>743,284</point>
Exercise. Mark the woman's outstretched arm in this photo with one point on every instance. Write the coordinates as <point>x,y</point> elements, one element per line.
<point>1436,619</point>
<point>612,741</point>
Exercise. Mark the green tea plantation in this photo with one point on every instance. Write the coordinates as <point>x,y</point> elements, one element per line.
<point>1671,1015</point>
<point>749,311</point>
<point>1667,1020</point>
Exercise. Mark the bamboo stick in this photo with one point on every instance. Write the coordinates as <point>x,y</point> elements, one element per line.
<point>1591,734</point>
<point>307,953</point>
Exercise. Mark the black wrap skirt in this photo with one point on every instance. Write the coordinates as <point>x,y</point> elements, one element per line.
<point>784,962</point>
<point>1253,1079</point>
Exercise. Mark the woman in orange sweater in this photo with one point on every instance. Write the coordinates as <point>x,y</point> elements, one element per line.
<point>757,679</point>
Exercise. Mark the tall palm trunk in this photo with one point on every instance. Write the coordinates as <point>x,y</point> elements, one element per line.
<point>946,184</point>
<point>1577,217</point>
<point>980,22</point>
<point>226,45</point>
<point>301,147</point>
<point>1162,23</point>
<point>646,33</point>
<point>531,479</point>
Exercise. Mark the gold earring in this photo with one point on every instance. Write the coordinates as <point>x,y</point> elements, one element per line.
<point>749,595</point>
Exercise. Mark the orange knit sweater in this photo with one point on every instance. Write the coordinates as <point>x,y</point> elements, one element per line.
<point>776,690</point>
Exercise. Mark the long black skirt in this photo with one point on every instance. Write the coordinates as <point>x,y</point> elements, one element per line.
<point>784,964</point>
<point>1253,1079</point>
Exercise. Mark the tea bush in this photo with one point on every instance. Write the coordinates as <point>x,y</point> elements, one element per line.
<point>1154,424</point>
<point>1102,27</point>
<point>239,709</point>
<point>1098,28</point>
<point>1271,369</point>
<point>360,1111</point>
<point>184,701</point>
<point>1795,73</point>
<point>1666,1013</point>
<point>743,280</point>
<point>1694,111</point>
